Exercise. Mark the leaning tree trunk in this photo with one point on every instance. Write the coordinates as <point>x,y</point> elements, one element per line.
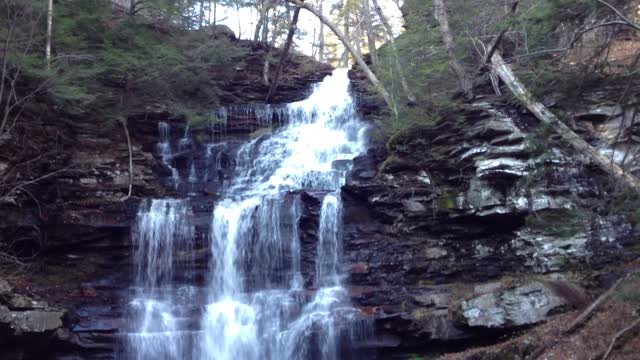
<point>285,53</point>
<point>447,38</point>
<point>543,114</point>
<point>368,27</point>
<point>367,71</point>
<point>394,53</point>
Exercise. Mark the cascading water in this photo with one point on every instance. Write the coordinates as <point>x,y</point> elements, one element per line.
<point>260,304</point>
<point>165,152</point>
<point>259,309</point>
<point>163,232</point>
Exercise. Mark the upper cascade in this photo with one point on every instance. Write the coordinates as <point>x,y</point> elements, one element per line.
<point>258,302</point>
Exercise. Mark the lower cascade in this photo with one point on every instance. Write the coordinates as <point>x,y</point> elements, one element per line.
<point>256,301</point>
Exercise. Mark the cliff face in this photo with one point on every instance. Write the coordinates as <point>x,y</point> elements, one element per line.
<point>67,212</point>
<point>468,230</point>
<point>455,234</point>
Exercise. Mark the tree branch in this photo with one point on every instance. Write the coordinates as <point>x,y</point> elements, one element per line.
<point>370,75</point>
<point>635,323</point>
<point>621,15</point>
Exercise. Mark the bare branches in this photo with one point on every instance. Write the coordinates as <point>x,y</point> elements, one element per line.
<point>22,29</point>
<point>20,185</point>
<point>625,19</point>
<point>285,54</point>
<point>498,39</point>
<point>365,68</point>
<point>618,335</point>
<point>543,114</point>
<point>49,32</point>
<point>394,50</point>
<point>126,132</point>
<point>463,78</point>
<point>594,306</point>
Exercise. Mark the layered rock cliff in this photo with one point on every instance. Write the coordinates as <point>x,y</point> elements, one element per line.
<point>66,226</point>
<point>468,230</point>
<point>456,234</point>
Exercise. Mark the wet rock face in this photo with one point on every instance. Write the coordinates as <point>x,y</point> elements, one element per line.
<point>80,226</point>
<point>23,316</point>
<point>471,201</point>
<point>524,305</point>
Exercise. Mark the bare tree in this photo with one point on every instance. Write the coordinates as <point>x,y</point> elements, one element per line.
<point>321,35</point>
<point>347,33</point>
<point>135,6</point>
<point>263,10</point>
<point>364,67</point>
<point>285,53</point>
<point>371,36</point>
<point>19,38</point>
<point>49,32</point>
<point>543,114</point>
<point>394,53</point>
<point>447,37</point>
<point>619,13</point>
<point>126,133</point>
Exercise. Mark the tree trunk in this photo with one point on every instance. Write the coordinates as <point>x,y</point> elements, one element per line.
<point>347,36</point>
<point>357,36</point>
<point>543,114</point>
<point>265,27</point>
<point>447,38</point>
<point>239,22</point>
<point>272,44</point>
<point>371,36</point>
<point>266,4</point>
<point>49,32</point>
<point>370,75</point>
<point>321,36</point>
<point>126,132</point>
<point>285,53</point>
<point>201,19</point>
<point>394,53</point>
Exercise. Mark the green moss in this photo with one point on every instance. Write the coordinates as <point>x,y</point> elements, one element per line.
<point>388,162</point>
<point>116,65</point>
<point>420,314</point>
<point>262,131</point>
<point>447,200</point>
<point>560,222</point>
<point>630,292</point>
<point>624,203</point>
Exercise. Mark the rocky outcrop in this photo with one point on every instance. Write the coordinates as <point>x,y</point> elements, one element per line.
<point>24,320</point>
<point>440,225</point>
<point>247,85</point>
<point>69,209</point>
<point>523,305</point>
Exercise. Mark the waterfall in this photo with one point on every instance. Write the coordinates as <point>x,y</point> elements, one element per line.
<point>163,239</point>
<point>260,300</point>
<point>258,307</point>
<point>165,152</point>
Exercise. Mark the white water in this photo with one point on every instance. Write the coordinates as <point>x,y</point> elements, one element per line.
<point>257,305</point>
<point>163,232</point>
<point>258,308</point>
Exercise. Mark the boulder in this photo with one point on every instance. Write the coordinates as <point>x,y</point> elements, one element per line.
<point>524,305</point>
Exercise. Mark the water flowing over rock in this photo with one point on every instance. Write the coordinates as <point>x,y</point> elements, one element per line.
<point>259,300</point>
<point>163,232</point>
